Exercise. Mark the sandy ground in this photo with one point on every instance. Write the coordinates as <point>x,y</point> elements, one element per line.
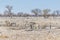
<point>8,34</point>
<point>25,20</point>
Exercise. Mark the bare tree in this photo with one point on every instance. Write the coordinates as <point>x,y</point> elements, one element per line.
<point>57,11</point>
<point>8,11</point>
<point>36,11</point>
<point>20,14</point>
<point>45,12</point>
<point>53,14</point>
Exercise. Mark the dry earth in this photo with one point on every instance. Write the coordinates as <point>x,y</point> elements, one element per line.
<point>7,34</point>
<point>44,34</point>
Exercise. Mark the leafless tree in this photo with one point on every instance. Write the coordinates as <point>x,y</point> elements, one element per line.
<point>54,14</point>
<point>45,12</point>
<point>57,11</point>
<point>8,11</point>
<point>20,14</point>
<point>36,11</point>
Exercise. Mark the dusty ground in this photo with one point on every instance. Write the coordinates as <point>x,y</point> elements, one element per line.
<point>7,34</point>
<point>38,20</point>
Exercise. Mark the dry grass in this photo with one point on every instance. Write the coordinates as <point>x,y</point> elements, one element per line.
<point>8,34</point>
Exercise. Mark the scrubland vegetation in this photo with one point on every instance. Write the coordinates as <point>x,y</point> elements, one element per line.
<point>40,25</point>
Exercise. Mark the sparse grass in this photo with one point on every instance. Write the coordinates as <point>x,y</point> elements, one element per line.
<point>28,34</point>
